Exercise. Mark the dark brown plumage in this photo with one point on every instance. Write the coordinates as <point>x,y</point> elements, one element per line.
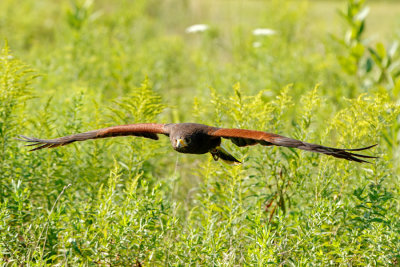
<point>196,138</point>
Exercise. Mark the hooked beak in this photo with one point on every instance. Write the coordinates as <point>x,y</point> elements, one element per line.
<point>180,143</point>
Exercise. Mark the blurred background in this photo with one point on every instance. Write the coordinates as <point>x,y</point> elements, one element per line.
<point>73,43</point>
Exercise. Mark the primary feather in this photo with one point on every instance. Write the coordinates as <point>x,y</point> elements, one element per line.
<point>148,130</point>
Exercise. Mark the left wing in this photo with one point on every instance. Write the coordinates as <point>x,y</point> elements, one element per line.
<point>243,137</point>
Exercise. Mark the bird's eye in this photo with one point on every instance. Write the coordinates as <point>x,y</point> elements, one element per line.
<point>187,140</point>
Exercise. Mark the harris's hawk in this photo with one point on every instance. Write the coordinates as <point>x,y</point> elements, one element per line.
<point>194,138</point>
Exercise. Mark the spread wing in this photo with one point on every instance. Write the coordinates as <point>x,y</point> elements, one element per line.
<point>242,137</point>
<point>148,130</point>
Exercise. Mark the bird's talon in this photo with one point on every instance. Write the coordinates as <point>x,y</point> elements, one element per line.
<point>214,154</point>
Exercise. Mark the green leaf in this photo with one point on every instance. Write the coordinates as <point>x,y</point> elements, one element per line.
<point>369,63</point>
<point>375,56</point>
<point>380,50</point>
<point>360,30</point>
<point>358,50</point>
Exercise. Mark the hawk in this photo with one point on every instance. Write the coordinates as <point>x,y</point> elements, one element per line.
<point>194,138</point>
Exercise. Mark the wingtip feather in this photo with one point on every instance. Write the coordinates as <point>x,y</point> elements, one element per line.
<point>362,148</point>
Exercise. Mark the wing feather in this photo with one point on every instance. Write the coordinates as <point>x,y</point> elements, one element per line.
<point>243,137</point>
<point>147,130</point>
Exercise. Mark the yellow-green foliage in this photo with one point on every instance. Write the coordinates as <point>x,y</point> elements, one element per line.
<point>129,200</point>
<point>14,83</point>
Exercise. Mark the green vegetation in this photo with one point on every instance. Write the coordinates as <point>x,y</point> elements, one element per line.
<point>71,66</point>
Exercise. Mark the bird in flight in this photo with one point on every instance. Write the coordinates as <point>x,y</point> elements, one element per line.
<point>194,138</point>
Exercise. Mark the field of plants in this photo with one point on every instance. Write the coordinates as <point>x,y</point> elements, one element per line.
<point>325,72</point>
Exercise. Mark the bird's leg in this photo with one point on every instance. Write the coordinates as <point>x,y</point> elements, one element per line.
<point>220,153</point>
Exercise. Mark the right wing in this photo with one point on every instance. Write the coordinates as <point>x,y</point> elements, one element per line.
<point>147,130</point>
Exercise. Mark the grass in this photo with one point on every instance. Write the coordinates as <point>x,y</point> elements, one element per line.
<point>128,201</point>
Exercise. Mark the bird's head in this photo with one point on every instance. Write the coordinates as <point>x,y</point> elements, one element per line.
<point>180,142</point>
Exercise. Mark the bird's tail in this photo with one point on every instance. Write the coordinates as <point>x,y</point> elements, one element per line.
<point>220,153</point>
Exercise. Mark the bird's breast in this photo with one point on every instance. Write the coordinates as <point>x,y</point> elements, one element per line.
<point>199,144</point>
